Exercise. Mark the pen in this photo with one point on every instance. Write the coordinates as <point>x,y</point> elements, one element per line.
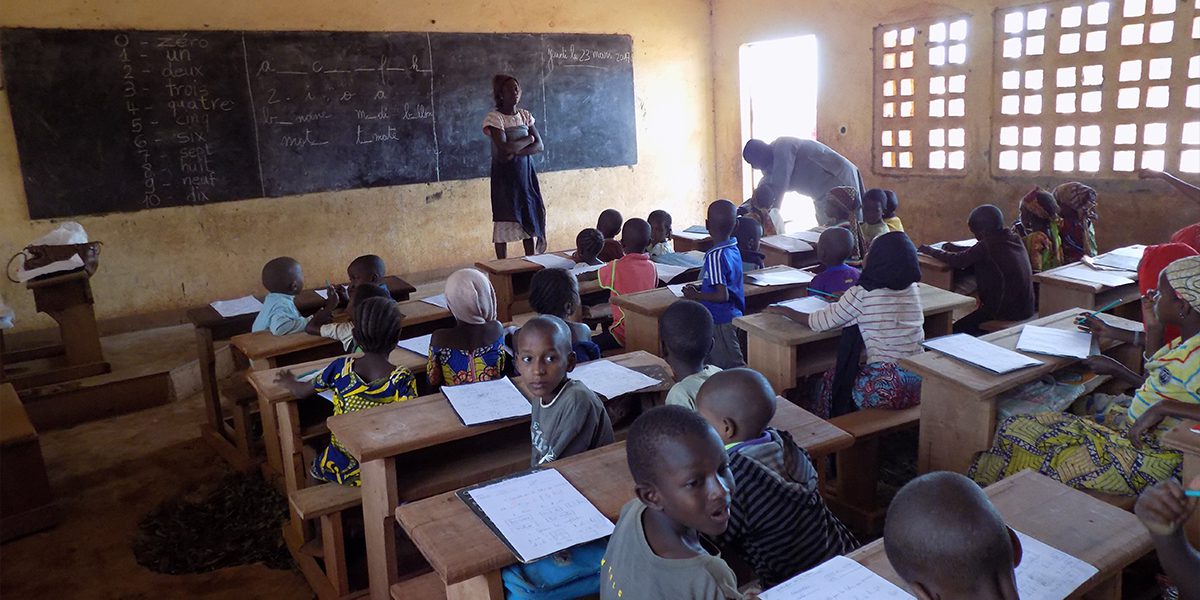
<point>1192,493</point>
<point>1104,308</point>
<point>826,294</point>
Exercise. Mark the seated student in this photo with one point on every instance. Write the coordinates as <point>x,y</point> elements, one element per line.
<point>686,331</point>
<point>633,272</point>
<point>721,285</point>
<point>1038,227</point>
<point>358,383</point>
<point>873,204</point>
<point>283,279</point>
<point>683,486</point>
<point>1002,271</point>
<point>609,224</point>
<point>322,323</point>
<point>778,523</point>
<point>555,292</point>
<point>472,350</point>
<point>833,248</point>
<point>748,234</point>
<point>567,417</point>
<point>588,246</point>
<point>889,211</point>
<point>1164,509</point>
<point>761,208</point>
<point>367,268</point>
<point>660,234</point>
<point>1077,203</point>
<point>947,541</point>
<point>842,206</point>
<point>1118,453</point>
<point>885,306</point>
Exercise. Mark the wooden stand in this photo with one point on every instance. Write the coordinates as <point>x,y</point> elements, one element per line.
<point>67,298</point>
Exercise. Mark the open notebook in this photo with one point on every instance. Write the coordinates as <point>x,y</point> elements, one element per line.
<point>978,353</point>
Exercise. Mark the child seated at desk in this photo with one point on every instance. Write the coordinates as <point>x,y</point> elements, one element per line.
<point>682,487</point>
<point>834,247</point>
<point>1002,271</point>
<point>631,273</point>
<point>660,234</point>
<point>1118,453</point>
<point>472,350</point>
<point>1077,203</point>
<point>842,205</point>
<point>358,383</point>
<point>555,292</point>
<point>882,314</point>
<point>686,331</point>
<point>283,279</point>
<point>1164,509</point>
<point>721,285</point>
<point>873,206</point>
<point>778,523</point>
<point>749,233</point>
<point>322,323</point>
<point>760,209</point>
<point>946,540</point>
<point>1038,227</point>
<point>369,269</point>
<point>889,211</point>
<point>609,225</point>
<point>589,243</point>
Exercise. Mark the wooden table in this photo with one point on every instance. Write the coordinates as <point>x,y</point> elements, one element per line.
<point>66,298</point>
<point>784,350</point>
<point>469,557</point>
<point>1057,293</point>
<point>1097,533</point>
<point>958,401</point>
<point>416,449</point>
<point>512,278</point>
<point>643,309</point>
<point>935,272</point>
<point>1181,438</point>
<point>687,244</point>
<point>787,251</point>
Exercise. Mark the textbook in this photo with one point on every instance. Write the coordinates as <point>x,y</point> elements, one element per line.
<point>978,353</point>
<point>487,401</point>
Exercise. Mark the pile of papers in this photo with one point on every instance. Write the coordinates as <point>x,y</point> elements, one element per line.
<point>985,355</point>
<point>238,306</point>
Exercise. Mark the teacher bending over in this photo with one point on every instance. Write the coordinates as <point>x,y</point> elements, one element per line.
<point>806,167</point>
<point>518,213</point>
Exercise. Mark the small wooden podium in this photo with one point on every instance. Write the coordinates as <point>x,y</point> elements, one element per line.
<point>67,298</point>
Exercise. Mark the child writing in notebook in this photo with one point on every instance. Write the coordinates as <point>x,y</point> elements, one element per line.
<point>358,383</point>
<point>686,331</point>
<point>1164,509</point>
<point>283,279</point>
<point>631,273</point>
<point>834,247</point>
<point>721,286</point>
<point>778,523</point>
<point>658,550</point>
<point>748,233</point>
<point>947,541</point>
<point>518,211</point>
<point>873,206</point>
<point>889,212</point>
<point>660,234</point>
<point>609,224</point>
<point>588,246</point>
<point>555,293</point>
<point>322,323</point>
<point>472,350</point>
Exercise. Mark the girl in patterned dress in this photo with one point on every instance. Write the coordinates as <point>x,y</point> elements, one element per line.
<point>1077,203</point>
<point>473,350</point>
<point>518,213</point>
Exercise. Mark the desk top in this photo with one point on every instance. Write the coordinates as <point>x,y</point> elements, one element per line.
<point>929,262</point>
<point>1052,276</point>
<point>1182,438</point>
<point>460,546</point>
<point>983,383</point>
<point>1100,534</point>
<point>427,421</point>
<point>655,302</point>
<point>511,266</point>
<point>782,330</point>
<point>263,382</point>
<point>307,301</point>
<point>788,244</point>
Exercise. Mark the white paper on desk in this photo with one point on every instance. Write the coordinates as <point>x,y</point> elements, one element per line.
<point>677,289</point>
<point>552,261</point>
<point>1090,275</point>
<point>812,237</point>
<point>781,277</point>
<point>238,306</point>
<point>787,243</point>
<point>1134,251</point>
<point>577,271</point>
<point>540,513</point>
<point>985,355</point>
<point>1118,261</point>
<point>1047,573</point>
<point>668,272</point>
<point>838,578</point>
<point>806,305</point>
<point>487,401</point>
<point>1055,342</point>
<point>418,345</point>
<point>690,235</point>
<point>609,379</point>
<point>697,229</point>
<point>438,300</point>
<point>323,293</point>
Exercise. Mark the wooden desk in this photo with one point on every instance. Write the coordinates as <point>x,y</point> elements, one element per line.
<point>683,244</point>
<point>958,401</point>
<point>1182,439</point>
<point>469,557</point>
<point>643,309</point>
<point>66,298</point>
<point>403,451</point>
<point>788,251</point>
<point>784,350</point>
<point>1097,533</point>
<point>512,277</point>
<point>1056,293</point>
<point>935,272</point>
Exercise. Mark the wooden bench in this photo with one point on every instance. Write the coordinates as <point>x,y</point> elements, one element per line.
<point>512,278</point>
<point>1183,439</point>
<point>325,503</point>
<point>852,494</point>
<point>26,502</point>
<point>468,557</point>
<point>1101,535</point>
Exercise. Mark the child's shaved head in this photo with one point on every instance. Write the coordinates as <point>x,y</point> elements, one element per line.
<point>944,537</point>
<point>686,329</point>
<point>653,431</point>
<point>367,268</point>
<point>609,223</point>
<point>986,217</point>
<point>635,236</point>
<point>722,217</point>
<point>835,246</point>
<point>553,328</point>
<point>738,403</point>
<point>283,276</point>
<point>748,233</point>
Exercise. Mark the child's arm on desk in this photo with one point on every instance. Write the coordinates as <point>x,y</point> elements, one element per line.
<point>1163,509</point>
<point>795,315</point>
<point>325,315</point>
<point>957,260</point>
<point>719,294</point>
<point>297,388</point>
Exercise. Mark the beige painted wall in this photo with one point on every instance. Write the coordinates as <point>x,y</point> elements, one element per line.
<point>173,258</point>
<point>932,208</point>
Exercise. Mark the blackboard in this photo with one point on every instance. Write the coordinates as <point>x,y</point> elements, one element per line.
<point>110,121</point>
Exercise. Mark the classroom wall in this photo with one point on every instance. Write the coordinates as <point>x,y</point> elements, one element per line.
<point>932,208</point>
<point>161,261</point>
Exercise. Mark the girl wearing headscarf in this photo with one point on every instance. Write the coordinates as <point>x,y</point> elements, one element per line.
<point>472,350</point>
<point>518,212</point>
<point>882,315</point>
<point>1077,203</point>
<point>1119,452</point>
<point>1039,229</point>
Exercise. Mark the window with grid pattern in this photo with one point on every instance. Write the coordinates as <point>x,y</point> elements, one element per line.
<point>920,104</point>
<point>1102,88</point>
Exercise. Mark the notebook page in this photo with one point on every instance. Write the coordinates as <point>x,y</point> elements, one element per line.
<point>788,277</point>
<point>238,306</point>
<point>551,261</point>
<point>1090,275</point>
<point>807,305</point>
<point>486,401</point>
<point>839,578</point>
<point>1047,573</point>
<point>668,272</point>
<point>418,345</point>
<point>677,289</point>
<point>787,243</point>
<point>1055,342</point>
<point>812,237</point>
<point>979,353</point>
<point>610,379</point>
<point>438,300</point>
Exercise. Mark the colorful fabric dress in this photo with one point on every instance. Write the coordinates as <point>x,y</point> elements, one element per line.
<point>451,366</point>
<point>1044,247</point>
<point>1077,203</point>
<point>1095,454</point>
<point>352,394</point>
<point>518,211</point>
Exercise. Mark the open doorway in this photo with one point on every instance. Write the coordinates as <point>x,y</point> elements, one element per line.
<point>779,98</point>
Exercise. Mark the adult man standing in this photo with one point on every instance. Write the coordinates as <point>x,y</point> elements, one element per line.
<point>807,167</point>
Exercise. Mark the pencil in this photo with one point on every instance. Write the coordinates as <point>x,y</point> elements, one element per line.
<point>826,294</point>
<point>1192,493</point>
<point>1105,307</point>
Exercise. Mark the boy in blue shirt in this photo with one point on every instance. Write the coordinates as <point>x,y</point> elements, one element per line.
<point>720,289</point>
<point>283,279</point>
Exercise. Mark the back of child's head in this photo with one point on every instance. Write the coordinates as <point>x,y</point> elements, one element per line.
<point>635,236</point>
<point>368,268</point>
<point>660,226</point>
<point>589,243</point>
<point>377,324</point>
<point>1038,208</point>
<point>283,275</point>
<point>653,431</point>
<point>686,331</point>
<point>554,292</point>
<point>841,202</point>
<point>874,204</point>
<point>764,196</point>
<point>892,204</point>
<point>943,535</point>
<point>985,218</point>
<point>738,403</point>
<point>722,218</point>
<point>748,233</point>
<point>835,245</point>
<point>609,223</point>
<point>363,291</point>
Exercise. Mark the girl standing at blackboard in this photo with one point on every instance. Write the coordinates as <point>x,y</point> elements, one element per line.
<point>517,209</point>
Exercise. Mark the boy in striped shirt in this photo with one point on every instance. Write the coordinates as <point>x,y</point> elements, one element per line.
<point>720,289</point>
